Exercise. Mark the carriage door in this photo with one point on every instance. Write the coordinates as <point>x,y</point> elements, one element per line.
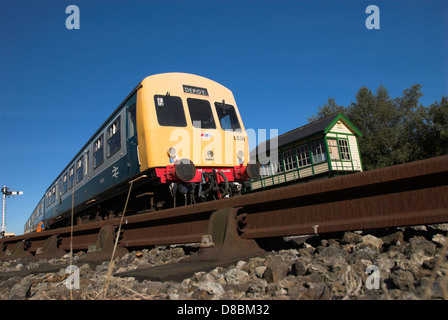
<point>133,161</point>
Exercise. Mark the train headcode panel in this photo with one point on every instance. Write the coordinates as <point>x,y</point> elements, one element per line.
<point>195,90</point>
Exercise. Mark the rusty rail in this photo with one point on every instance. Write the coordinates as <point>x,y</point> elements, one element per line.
<point>410,194</point>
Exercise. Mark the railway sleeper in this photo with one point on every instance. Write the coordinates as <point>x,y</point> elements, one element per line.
<point>20,251</point>
<point>104,246</point>
<point>51,248</point>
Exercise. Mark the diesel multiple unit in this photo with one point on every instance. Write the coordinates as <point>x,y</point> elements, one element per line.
<point>179,136</point>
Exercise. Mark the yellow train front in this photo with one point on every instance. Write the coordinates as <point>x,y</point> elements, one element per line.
<point>191,138</point>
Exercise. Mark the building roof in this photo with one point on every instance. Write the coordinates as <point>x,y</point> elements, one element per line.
<point>323,125</point>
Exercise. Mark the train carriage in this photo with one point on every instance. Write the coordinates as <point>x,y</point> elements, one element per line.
<point>179,136</point>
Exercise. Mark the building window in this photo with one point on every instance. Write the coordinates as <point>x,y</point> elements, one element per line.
<point>98,152</point>
<point>289,156</point>
<point>343,148</point>
<point>113,137</point>
<point>318,151</point>
<point>333,149</point>
<point>277,167</point>
<point>265,170</point>
<point>303,155</point>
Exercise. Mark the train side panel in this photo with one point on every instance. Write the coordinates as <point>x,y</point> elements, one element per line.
<point>99,173</point>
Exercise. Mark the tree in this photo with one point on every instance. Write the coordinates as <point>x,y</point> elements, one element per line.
<point>396,130</point>
<point>436,140</point>
<point>376,117</point>
<point>327,109</point>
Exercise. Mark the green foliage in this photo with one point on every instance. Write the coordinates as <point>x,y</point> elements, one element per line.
<point>327,109</point>
<point>396,130</point>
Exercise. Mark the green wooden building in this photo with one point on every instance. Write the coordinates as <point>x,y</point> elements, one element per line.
<point>322,148</point>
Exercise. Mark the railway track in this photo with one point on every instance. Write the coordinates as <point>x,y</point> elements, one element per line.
<point>411,194</point>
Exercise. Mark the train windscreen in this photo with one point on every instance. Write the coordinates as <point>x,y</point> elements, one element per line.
<point>170,111</point>
<point>227,116</point>
<point>200,111</point>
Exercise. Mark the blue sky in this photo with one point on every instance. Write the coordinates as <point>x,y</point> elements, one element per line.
<point>281,59</point>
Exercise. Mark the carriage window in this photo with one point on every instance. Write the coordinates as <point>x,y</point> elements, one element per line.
<point>79,170</point>
<point>86,171</point>
<point>132,125</point>
<point>53,194</point>
<point>64,184</point>
<point>227,116</point>
<point>170,111</point>
<point>60,188</point>
<point>71,177</point>
<point>98,154</point>
<point>200,111</point>
<point>49,199</point>
<point>113,137</point>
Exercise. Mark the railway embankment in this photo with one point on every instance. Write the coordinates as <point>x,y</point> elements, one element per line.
<point>395,263</point>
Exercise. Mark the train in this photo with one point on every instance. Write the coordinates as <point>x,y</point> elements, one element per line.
<point>176,139</point>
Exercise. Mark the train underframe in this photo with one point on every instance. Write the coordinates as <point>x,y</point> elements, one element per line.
<point>158,189</point>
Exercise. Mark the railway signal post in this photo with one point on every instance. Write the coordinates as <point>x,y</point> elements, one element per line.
<point>6,193</point>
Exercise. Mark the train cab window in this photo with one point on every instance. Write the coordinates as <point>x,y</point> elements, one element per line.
<point>170,111</point>
<point>71,177</point>
<point>201,112</point>
<point>227,116</point>
<point>98,152</point>
<point>132,124</point>
<point>113,137</point>
<point>79,170</point>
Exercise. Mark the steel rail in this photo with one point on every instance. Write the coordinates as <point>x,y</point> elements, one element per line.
<point>409,194</point>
